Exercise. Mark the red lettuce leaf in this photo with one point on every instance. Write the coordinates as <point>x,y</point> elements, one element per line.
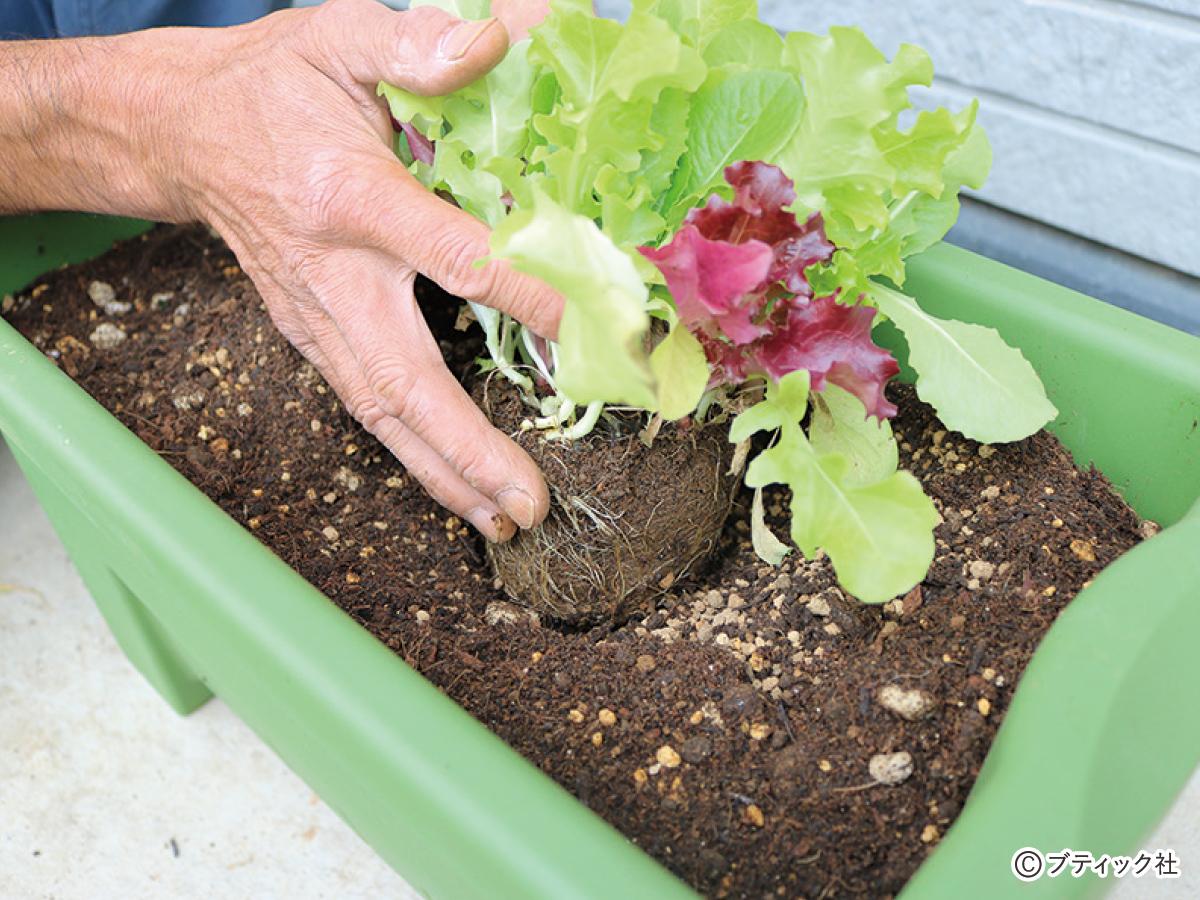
<point>833,342</point>
<point>421,147</point>
<point>761,193</point>
<point>714,283</point>
<point>736,273</point>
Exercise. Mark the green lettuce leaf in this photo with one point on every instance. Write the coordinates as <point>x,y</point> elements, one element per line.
<point>626,210</point>
<point>852,96</point>
<point>476,190</point>
<point>487,131</point>
<point>942,153</point>
<point>747,43</point>
<point>979,385</point>
<point>699,21</point>
<point>610,77</point>
<point>879,536</point>
<point>735,116</point>
<point>425,113</point>
<point>680,371</point>
<point>601,357</point>
<point>885,193</point>
<point>482,131</point>
<point>926,219</point>
<point>840,424</point>
<point>918,156</point>
<point>628,199</point>
<point>491,115</point>
<point>669,125</point>
<point>786,401</point>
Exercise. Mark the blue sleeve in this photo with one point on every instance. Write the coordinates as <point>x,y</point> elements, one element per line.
<point>72,18</point>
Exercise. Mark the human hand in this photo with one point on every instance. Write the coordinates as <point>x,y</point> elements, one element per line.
<point>282,146</point>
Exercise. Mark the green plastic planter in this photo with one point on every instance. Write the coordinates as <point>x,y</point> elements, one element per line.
<point>1102,732</point>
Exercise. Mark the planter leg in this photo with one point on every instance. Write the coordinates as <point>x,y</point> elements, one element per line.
<point>138,633</point>
<point>142,638</point>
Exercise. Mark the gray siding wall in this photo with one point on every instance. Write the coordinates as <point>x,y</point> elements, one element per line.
<point>1093,105</point>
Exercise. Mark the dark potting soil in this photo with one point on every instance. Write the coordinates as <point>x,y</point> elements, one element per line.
<point>759,734</point>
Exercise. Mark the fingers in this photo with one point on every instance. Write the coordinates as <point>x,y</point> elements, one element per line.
<point>519,16</point>
<point>402,365</point>
<point>321,342</point>
<point>393,212</point>
<point>425,50</point>
<point>444,484</point>
<point>341,369</point>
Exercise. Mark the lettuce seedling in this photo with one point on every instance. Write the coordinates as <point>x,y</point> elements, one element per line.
<point>728,212</point>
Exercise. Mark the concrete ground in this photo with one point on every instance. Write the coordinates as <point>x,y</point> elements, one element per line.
<point>106,793</point>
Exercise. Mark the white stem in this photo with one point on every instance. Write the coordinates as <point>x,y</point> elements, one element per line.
<point>903,204</point>
<point>705,404</point>
<point>506,369</point>
<point>563,411</point>
<point>551,406</point>
<point>584,426</point>
<point>530,342</point>
<point>492,323</point>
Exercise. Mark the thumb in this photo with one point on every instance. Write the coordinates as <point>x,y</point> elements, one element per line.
<point>425,50</point>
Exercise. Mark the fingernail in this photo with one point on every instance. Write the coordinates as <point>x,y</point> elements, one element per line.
<point>495,526</point>
<point>458,42</point>
<point>518,504</point>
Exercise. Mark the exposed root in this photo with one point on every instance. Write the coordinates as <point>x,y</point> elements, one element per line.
<point>615,542</point>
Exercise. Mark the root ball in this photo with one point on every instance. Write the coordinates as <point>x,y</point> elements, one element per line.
<point>627,521</point>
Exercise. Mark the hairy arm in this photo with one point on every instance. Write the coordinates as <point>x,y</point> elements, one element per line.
<point>74,128</point>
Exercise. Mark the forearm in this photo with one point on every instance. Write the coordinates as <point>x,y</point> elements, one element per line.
<point>78,123</point>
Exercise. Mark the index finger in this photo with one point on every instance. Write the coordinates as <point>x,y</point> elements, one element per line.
<point>401,364</point>
<point>399,216</point>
